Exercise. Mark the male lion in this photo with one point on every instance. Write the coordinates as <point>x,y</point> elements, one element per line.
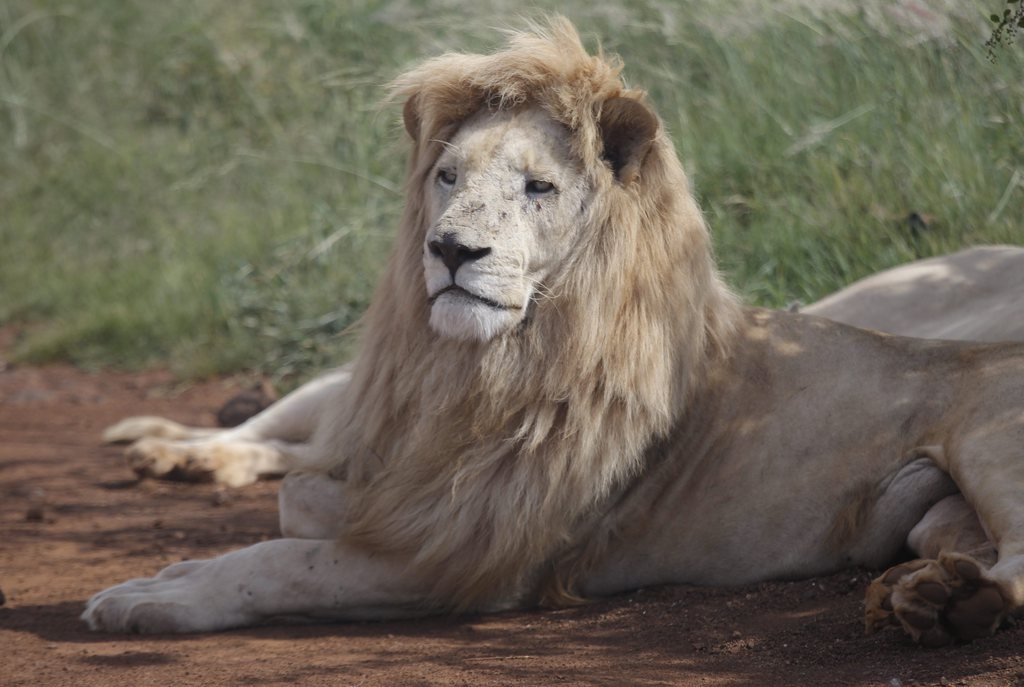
<point>556,397</point>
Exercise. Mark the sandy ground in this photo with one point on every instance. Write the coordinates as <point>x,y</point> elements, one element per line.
<point>74,520</point>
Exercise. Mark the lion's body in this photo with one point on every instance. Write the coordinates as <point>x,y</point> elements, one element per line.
<point>576,404</point>
<point>974,295</point>
<point>799,410</point>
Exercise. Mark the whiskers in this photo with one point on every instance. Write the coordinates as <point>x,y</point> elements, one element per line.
<point>539,293</point>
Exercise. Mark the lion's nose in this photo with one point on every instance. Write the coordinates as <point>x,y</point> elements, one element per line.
<point>454,254</point>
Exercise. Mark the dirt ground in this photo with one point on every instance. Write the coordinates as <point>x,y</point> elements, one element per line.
<point>73,520</point>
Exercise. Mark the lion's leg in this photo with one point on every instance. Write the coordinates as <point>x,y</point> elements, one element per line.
<point>311,506</point>
<point>989,469</point>
<point>135,428</point>
<point>288,419</point>
<point>941,595</point>
<point>269,444</point>
<point>966,590</point>
<point>951,525</point>
<point>297,578</point>
<point>294,418</point>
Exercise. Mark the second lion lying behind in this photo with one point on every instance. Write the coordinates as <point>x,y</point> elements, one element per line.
<point>974,295</point>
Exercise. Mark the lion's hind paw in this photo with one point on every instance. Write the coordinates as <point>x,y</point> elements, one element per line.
<point>936,601</point>
<point>233,464</point>
<point>166,459</point>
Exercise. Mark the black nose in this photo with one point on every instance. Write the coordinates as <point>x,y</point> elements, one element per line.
<point>454,254</point>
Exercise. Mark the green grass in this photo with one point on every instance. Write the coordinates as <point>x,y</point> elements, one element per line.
<point>212,185</point>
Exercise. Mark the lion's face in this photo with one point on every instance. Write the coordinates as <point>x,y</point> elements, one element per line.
<point>505,200</point>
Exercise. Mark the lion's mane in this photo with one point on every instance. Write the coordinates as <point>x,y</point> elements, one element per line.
<point>483,461</point>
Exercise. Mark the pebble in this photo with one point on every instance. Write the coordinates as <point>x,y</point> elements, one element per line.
<point>221,497</point>
<point>36,511</point>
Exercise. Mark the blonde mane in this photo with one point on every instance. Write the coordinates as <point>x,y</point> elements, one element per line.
<point>479,459</point>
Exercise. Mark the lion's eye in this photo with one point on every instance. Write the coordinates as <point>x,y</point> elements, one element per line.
<point>446,177</point>
<point>537,186</point>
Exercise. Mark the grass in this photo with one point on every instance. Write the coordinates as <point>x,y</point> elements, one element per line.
<point>213,185</point>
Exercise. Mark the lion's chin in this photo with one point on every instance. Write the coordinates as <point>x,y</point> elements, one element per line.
<point>457,315</point>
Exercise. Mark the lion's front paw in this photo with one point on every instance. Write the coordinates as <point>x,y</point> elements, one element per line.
<point>177,600</point>
<point>936,601</point>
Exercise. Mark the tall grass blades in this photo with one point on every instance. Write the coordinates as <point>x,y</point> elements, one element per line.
<point>213,185</point>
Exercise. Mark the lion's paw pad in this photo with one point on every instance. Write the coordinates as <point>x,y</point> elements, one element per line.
<point>936,601</point>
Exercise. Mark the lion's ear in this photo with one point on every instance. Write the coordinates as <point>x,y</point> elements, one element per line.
<point>628,128</point>
<point>411,117</point>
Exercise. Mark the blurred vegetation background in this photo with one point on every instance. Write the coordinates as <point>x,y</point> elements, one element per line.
<point>212,185</point>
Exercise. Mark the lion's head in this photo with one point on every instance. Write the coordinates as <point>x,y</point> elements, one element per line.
<point>550,305</point>
<point>501,202</point>
<point>506,201</point>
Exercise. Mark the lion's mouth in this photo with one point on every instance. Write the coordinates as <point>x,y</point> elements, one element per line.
<point>459,291</point>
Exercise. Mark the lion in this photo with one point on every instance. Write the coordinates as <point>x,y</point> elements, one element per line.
<point>556,397</point>
<point>976,294</point>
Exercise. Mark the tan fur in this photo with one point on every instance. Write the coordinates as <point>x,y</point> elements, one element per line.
<point>540,426</point>
<point>630,425</point>
<point>976,294</point>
